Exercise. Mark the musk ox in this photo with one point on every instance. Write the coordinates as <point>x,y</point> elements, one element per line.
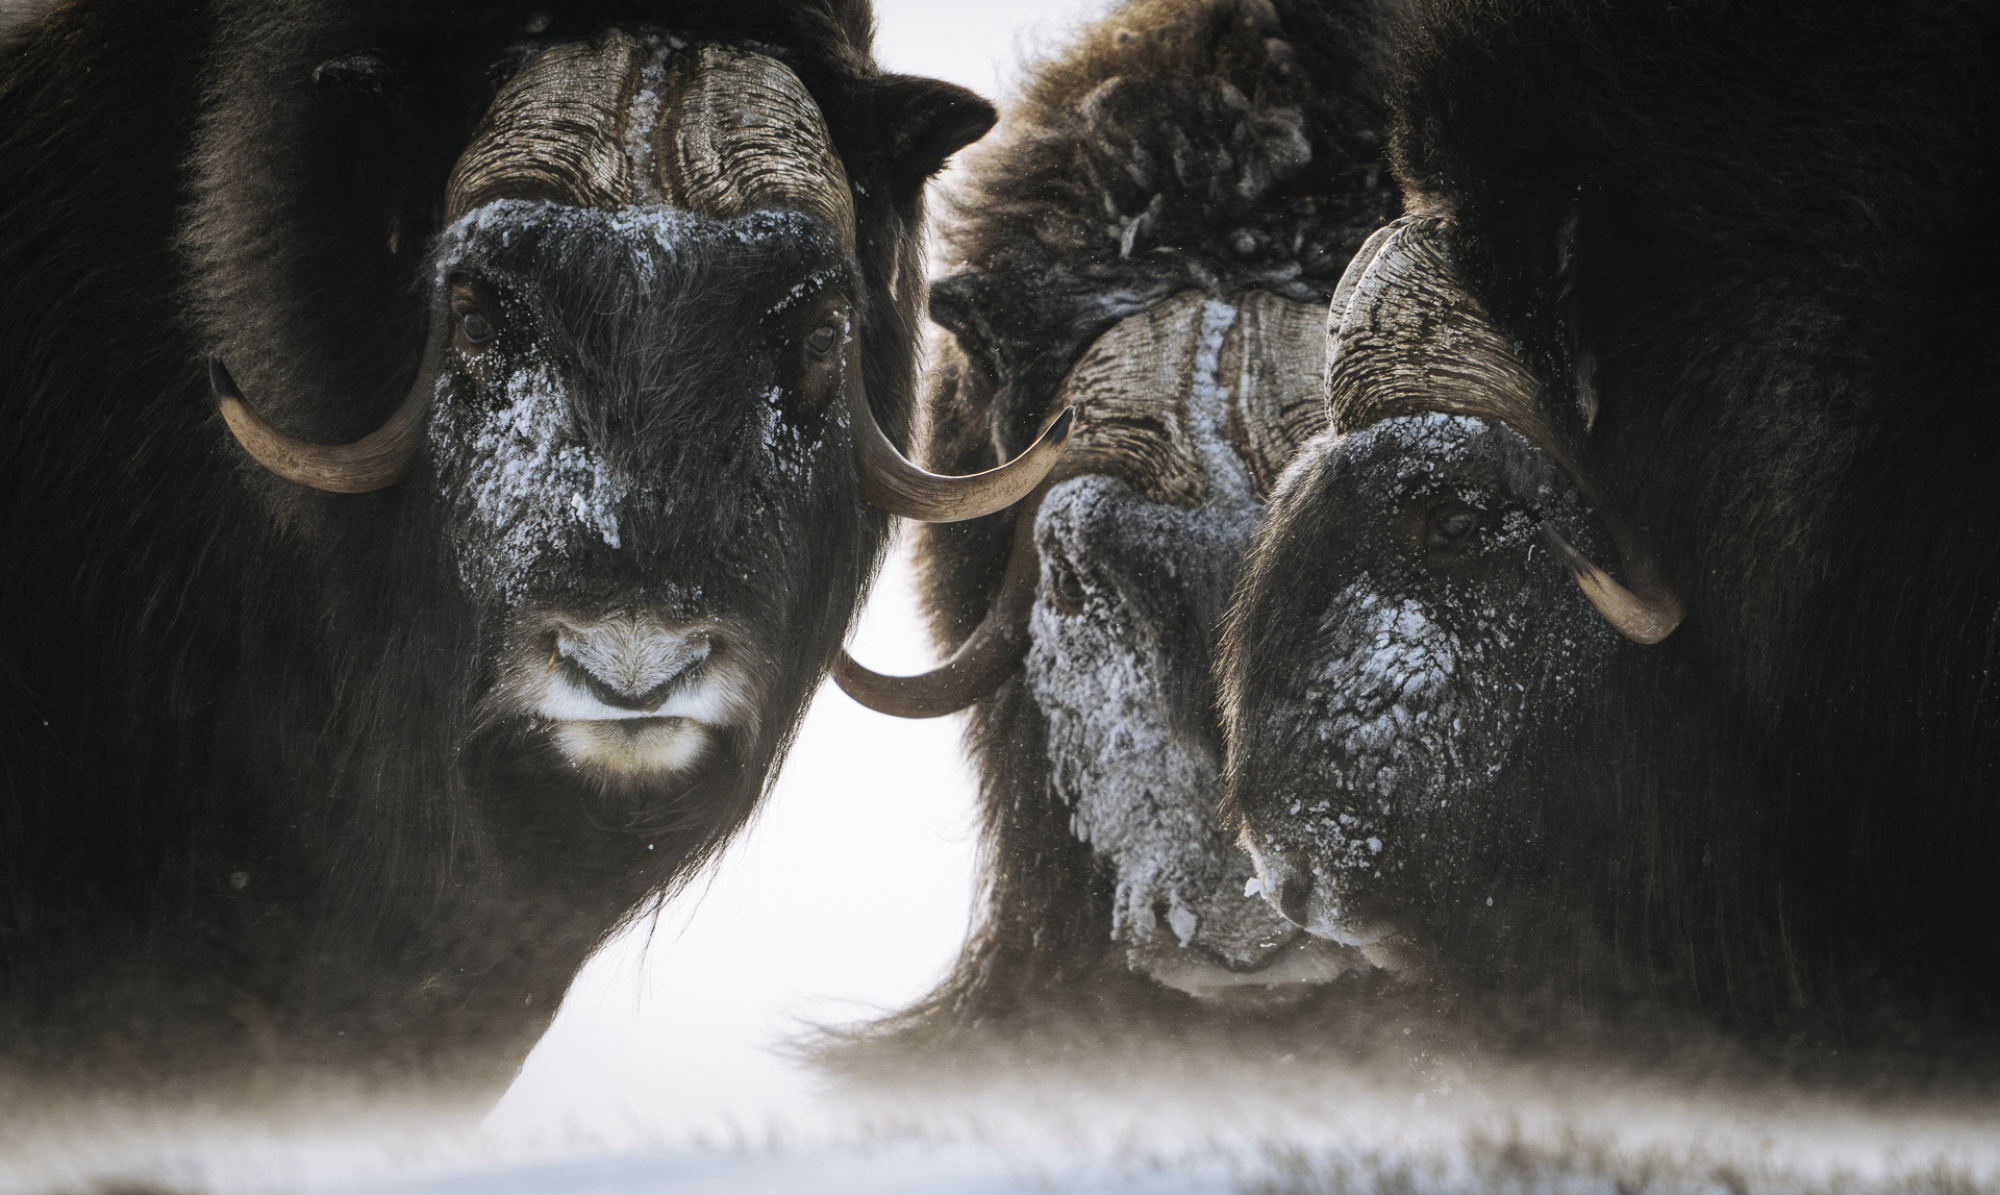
<point>351,754</point>
<point>1153,243</point>
<point>1630,630</point>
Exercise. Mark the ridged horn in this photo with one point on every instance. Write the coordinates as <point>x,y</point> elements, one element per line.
<point>982,663</point>
<point>738,131</point>
<point>1135,387</point>
<point>1406,337</point>
<point>556,131</point>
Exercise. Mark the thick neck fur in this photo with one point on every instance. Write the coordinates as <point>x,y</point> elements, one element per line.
<point>232,709</point>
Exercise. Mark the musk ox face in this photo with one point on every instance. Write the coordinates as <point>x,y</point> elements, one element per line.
<point>640,434</point>
<point>1419,617</point>
<point>633,504</point>
<point>1402,638</point>
<point>1130,593</point>
<point>1185,410</point>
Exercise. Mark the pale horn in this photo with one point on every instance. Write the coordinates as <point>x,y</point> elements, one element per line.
<point>1638,619</point>
<point>375,461</point>
<point>1406,337</point>
<point>890,481</point>
<point>979,666</point>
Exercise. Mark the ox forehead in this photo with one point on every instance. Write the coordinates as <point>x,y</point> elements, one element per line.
<point>1188,413</point>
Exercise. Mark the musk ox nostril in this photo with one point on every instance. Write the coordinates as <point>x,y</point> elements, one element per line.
<point>1293,894</point>
<point>628,664</point>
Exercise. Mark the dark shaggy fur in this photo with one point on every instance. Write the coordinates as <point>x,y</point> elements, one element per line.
<point>253,805</point>
<point>1768,229</point>
<point>1214,145</point>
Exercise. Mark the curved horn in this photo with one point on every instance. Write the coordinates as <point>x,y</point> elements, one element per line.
<point>1641,619</point>
<point>1411,339</point>
<point>890,481</point>
<point>378,460</point>
<point>986,658</point>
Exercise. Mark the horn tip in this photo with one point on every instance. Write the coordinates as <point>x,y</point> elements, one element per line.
<point>1643,622</point>
<point>1063,425</point>
<point>219,379</point>
<point>1574,560</point>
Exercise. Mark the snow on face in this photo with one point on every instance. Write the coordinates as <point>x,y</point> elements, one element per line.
<point>1405,675</point>
<point>530,481</point>
<point>528,457</point>
<point>1128,604</point>
<point>1121,680</point>
<point>625,466</point>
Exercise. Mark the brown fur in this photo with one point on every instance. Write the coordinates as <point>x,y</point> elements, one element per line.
<point>1216,145</point>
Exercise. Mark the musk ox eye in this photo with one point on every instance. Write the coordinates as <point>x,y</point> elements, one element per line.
<point>1450,524</point>
<point>820,340</point>
<point>476,328</point>
<point>1066,586</point>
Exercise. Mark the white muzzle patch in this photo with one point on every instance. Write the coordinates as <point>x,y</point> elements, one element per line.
<point>634,697</point>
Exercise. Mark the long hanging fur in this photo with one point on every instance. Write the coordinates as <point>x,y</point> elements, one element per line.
<point>238,719</point>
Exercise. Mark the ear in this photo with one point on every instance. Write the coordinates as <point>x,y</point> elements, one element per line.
<point>921,122</point>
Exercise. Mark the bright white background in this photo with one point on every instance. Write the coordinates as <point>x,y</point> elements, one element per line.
<point>850,894</point>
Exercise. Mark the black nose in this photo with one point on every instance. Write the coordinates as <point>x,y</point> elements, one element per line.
<point>1293,894</point>
<point>631,664</point>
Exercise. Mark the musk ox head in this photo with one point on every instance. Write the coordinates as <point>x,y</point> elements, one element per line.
<point>1191,409</point>
<point>1154,241</point>
<point>1121,565</point>
<point>1419,618</point>
<point>639,438</point>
